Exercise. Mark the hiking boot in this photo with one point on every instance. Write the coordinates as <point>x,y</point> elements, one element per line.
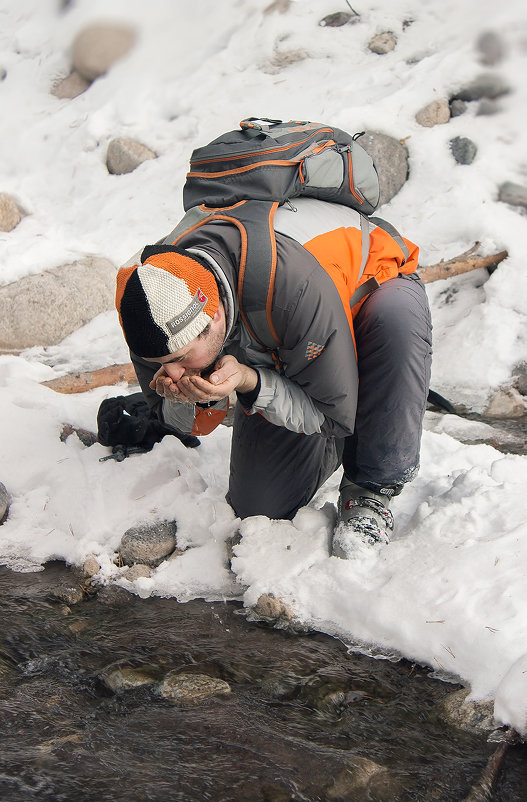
<point>362,517</point>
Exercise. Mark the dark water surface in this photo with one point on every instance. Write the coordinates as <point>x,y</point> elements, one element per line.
<point>303,717</point>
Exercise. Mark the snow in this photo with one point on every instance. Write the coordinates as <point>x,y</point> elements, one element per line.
<point>449,591</point>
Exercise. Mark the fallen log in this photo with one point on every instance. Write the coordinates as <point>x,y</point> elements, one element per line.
<point>470,260</point>
<point>81,382</point>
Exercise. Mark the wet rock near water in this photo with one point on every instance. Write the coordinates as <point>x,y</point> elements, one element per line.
<point>90,567</point>
<point>137,571</point>
<point>124,678</point>
<point>188,690</point>
<point>43,309</point>
<point>382,43</point>
<point>435,113</point>
<point>67,593</point>
<point>463,149</point>
<point>469,716</point>
<point>125,155</point>
<point>97,47</point>
<point>364,779</point>
<point>148,544</point>
<point>513,194</point>
<point>506,403</point>
<point>390,157</point>
<point>520,377</point>
<point>4,503</point>
<point>113,596</point>
<point>10,213</point>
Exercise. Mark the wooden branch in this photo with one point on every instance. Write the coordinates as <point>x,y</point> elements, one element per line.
<point>81,382</point>
<point>460,264</point>
<point>481,791</point>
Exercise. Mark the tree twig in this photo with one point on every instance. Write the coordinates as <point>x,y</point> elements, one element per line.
<point>81,382</point>
<point>459,264</point>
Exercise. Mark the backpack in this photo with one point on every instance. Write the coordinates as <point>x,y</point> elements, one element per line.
<point>244,175</point>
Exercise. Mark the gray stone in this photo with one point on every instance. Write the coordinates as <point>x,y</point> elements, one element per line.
<point>474,717</point>
<point>4,503</point>
<point>10,214</point>
<point>114,596</point>
<point>435,113</point>
<point>3,73</point>
<point>148,544</point>
<point>506,403</point>
<point>69,594</point>
<point>72,86</point>
<point>383,43</point>
<point>338,19</point>
<point>125,155</point>
<point>391,160</point>
<point>457,108</point>
<point>488,107</point>
<point>488,85</point>
<point>99,46</point>
<point>188,690</point>
<point>463,149</point>
<point>520,377</point>
<point>491,48</point>
<point>126,679</point>
<point>137,571</point>
<point>90,566</point>
<point>515,194</point>
<point>43,309</point>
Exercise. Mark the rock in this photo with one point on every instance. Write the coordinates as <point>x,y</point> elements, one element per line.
<point>520,377</point>
<point>191,689</point>
<point>281,6</point>
<point>487,107</point>
<point>463,149</point>
<point>338,19</point>
<point>268,606</point>
<point>283,59</point>
<point>148,544</point>
<point>72,86</point>
<point>362,778</point>
<point>126,679</point>
<point>68,594</point>
<point>4,503</point>
<point>99,46</point>
<point>10,214</point>
<point>391,160</point>
<point>435,113</point>
<point>491,48</point>
<point>382,43</point>
<point>3,73</point>
<point>124,155</point>
<point>487,85</point>
<point>43,309</point>
<point>515,194</point>
<point>474,717</point>
<point>91,566</point>
<point>457,108</point>
<point>137,571</point>
<point>507,402</point>
<point>113,596</point>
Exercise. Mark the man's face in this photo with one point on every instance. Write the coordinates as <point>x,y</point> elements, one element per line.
<point>200,355</point>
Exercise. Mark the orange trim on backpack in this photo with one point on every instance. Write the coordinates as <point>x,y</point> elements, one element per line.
<point>350,173</point>
<point>258,153</point>
<point>206,420</point>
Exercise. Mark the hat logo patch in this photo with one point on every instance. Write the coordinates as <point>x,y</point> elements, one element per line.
<point>177,323</point>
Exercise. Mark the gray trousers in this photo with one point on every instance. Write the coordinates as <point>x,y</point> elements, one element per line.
<point>274,471</point>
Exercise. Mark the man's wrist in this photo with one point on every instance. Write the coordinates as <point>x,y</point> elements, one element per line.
<point>249,381</point>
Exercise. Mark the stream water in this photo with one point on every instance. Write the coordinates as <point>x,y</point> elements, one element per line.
<point>305,721</point>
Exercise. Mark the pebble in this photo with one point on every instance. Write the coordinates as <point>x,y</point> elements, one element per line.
<point>191,689</point>
<point>383,43</point>
<point>4,503</point>
<point>338,19</point>
<point>457,108</point>
<point>463,149</point>
<point>10,215</point>
<point>71,86</point>
<point>125,155</point>
<point>515,194</point>
<point>435,113</point>
<point>90,566</point>
<point>97,47</point>
<point>148,544</point>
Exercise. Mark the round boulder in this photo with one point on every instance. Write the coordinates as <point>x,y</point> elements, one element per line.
<point>10,215</point>
<point>124,155</point>
<point>43,309</point>
<point>148,544</point>
<point>391,160</point>
<point>435,113</point>
<point>97,47</point>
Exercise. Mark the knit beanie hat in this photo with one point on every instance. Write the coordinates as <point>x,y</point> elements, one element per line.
<point>165,302</point>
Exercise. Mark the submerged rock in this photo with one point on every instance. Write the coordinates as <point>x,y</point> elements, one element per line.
<point>148,544</point>
<point>363,779</point>
<point>126,679</point>
<point>191,689</point>
<point>475,717</point>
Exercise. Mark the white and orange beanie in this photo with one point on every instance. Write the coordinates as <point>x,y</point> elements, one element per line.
<point>166,301</point>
